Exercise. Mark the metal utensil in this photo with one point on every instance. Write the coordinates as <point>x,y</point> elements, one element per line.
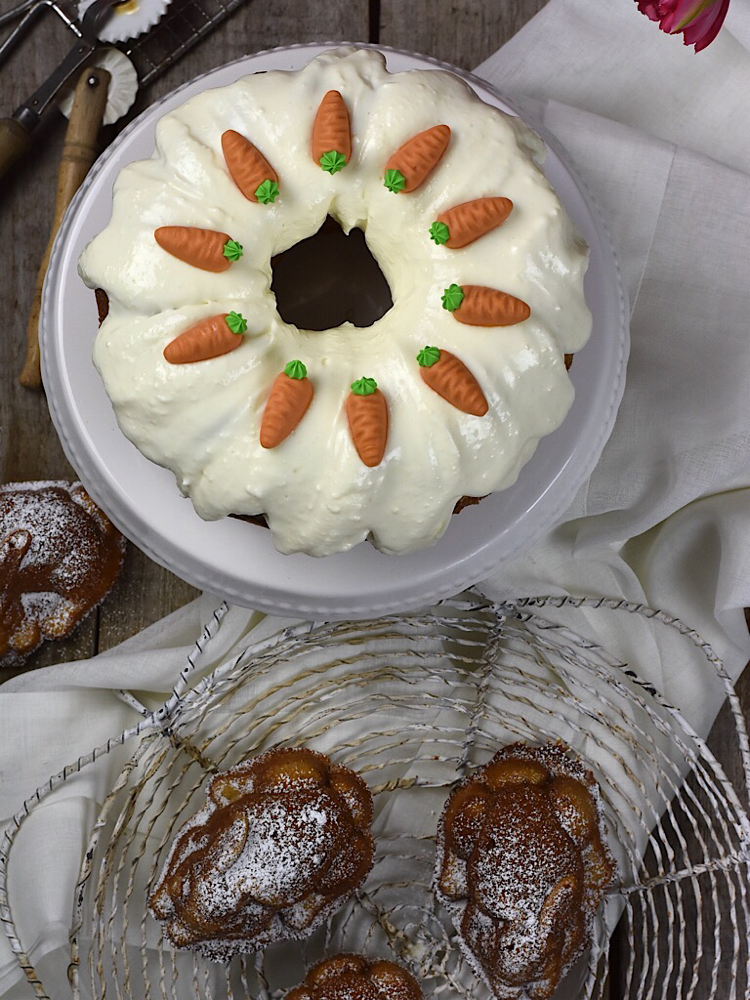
<point>183,26</point>
<point>185,23</point>
<point>16,131</point>
<point>29,11</point>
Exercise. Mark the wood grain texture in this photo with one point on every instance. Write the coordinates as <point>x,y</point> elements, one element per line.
<point>461,32</point>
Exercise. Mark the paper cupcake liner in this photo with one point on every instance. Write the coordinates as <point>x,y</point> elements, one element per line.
<point>130,18</point>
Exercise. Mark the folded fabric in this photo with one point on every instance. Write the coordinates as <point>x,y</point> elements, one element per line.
<point>662,138</point>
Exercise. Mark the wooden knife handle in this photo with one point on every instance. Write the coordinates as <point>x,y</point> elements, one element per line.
<point>14,142</point>
<point>79,152</point>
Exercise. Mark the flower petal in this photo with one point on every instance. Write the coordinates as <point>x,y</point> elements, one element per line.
<point>703,31</point>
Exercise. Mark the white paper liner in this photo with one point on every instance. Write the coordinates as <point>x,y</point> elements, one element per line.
<point>122,89</point>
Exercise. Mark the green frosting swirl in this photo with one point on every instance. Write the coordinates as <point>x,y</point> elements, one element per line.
<point>232,250</point>
<point>295,369</point>
<point>236,322</point>
<point>394,180</point>
<point>452,297</point>
<point>439,233</point>
<point>267,192</point>
<point>364,386</point>
<point>333,161</point>
<point>428,356</point>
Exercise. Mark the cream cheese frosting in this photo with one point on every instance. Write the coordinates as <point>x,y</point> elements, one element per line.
<point>202,420</point>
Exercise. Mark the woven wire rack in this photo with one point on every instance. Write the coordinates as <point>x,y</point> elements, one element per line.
<point>413,703</point>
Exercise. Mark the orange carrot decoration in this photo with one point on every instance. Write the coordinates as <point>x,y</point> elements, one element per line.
<point>203,248</point>
<point>451,379</point>
<point>210,338</point>
<point>331,134</point>
<point>250,170</point>
<point>291,394</point>
<point>411,164</point>
<point>367,412</point>
<point>464,223</point>
<point>477,305</point>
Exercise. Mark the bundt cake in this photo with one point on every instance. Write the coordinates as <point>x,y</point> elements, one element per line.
<point>59,556</point>
<point>348,433</point>
<point>282,841</point>
<point>522,866</point>
<point>354,977</point>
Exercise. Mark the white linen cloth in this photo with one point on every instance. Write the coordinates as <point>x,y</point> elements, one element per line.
<point>662,137</point>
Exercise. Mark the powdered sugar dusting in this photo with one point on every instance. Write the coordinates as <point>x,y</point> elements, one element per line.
<point>59,555</point>
<point>524,874</point>
<point>274,852</point>
<point>285,845</point>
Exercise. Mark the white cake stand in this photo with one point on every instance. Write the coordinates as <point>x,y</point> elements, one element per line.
<point>238,561</point>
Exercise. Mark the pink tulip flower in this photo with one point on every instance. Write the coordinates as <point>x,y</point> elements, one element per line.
<point>698,20</point>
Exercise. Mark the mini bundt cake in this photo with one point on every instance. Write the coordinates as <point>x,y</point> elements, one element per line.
<point>354,977</point>
<point>282,841</point>
<point>522,866</point>
<point>59,556</point>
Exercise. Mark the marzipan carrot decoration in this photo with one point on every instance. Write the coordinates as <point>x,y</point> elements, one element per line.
<point>478,305</point>
<point>451,379</point>
<point>462,224</point>
<point>250,170</point>
<point>411,164</point>
<point>291,394</point>
<point>210,338</point>
<point>367,413</point>
<point>331,134</point>
<point>203,248</point>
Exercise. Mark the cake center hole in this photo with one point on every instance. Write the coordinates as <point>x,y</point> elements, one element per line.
<point>330,278</point>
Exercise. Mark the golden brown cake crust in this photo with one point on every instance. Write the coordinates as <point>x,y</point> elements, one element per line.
<point>522,867</point>
<point>354,977</point>
<point>281,843</point>
<point>59,556</point>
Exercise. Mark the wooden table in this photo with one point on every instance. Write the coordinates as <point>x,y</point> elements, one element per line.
<point>463,32</point>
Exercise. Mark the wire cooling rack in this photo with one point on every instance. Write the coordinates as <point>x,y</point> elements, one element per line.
<point>413,703</point>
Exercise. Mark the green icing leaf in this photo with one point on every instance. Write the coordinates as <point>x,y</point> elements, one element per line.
<point>439,233</point>
<point>452,297</point>
<point>232,250</point>
<point>428,356</point>
<point>394,180</point>
<point>236,322</point>
<point>333,161</point>
<point>267,192</point>
<point>364,386</point>
<point>295,369</point>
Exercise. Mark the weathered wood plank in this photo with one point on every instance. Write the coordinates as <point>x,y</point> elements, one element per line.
<point>143,593</point>
<point>261,25</point>
<point>461,32</point>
